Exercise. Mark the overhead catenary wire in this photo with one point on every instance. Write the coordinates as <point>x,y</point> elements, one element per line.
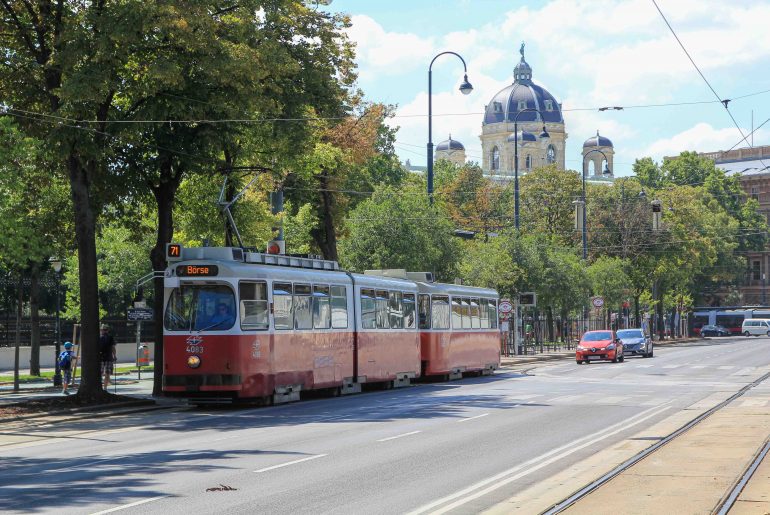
<point>722,100</point>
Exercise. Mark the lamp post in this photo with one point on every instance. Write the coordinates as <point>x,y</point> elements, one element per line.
<point>543,135</point>
<point>763,289</point>
<point>465,88</point>
<point>582,205</point>
<point>56,264</point>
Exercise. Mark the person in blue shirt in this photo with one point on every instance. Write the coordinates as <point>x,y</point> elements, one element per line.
<point>222,318</point>
<point>66,359</point>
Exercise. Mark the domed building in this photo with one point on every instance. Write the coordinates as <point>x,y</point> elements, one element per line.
<point>532,108</point>
<point>603,155</point>
<point>451,150</point>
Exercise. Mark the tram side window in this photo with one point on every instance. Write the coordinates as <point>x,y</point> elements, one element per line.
<point>339,307</point>
<point>457,313</point>
<point>368,309</point>
<point>424,313</point>
<point>382,309</point>
<point>253,305</point>
<point>440,312</point>
<point>466,305</point>
<point>409,320</point>
<point>395,310</point>
<point>493,314</point>
<point>484,312</point>
<point>283,312</point>
<point>322,314</point>
<point>475,314</point>
<point>303,318</point>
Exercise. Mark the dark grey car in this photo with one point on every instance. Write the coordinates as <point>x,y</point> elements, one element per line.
<point>635,343</point>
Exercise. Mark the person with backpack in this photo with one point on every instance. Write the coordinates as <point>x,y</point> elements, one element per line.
<point>65,365</point>
<point>107,354</point>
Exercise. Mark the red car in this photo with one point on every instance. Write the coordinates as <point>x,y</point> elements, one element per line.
<point>599,345</point>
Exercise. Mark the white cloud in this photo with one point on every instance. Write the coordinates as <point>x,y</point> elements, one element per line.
<point>700,138</point>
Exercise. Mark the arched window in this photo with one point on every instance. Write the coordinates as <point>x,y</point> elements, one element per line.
<point>495,158</point>
<point>528,162</point>
<point>550,155</point>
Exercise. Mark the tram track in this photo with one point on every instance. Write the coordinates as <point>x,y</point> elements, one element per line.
<point>729,498</point>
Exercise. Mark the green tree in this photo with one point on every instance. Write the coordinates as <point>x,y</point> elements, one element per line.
<point>547,196</point>
<point>398,229</point>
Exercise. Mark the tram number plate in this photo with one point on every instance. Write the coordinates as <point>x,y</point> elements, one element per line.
<point>592,358</point>
<point>195,349</point>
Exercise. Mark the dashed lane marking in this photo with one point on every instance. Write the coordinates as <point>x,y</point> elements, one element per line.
<point>126,506</point>
<point>472,418</point>
<point>399,436</point>
<point>290,463</point>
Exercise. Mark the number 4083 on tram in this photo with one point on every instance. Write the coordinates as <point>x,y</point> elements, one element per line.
<point>242,325</point>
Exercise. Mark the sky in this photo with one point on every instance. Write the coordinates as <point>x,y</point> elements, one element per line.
<point>587,53</point>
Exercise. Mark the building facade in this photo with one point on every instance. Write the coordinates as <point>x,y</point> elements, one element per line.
<point>753,167</point>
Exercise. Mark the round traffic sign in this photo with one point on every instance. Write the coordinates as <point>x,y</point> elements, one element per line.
<point>598,302</point>
<point>505,306</point>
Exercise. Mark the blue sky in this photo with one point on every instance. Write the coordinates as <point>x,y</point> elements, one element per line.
<point>587,53</point>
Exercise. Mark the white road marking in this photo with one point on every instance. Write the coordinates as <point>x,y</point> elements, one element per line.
<point>291,463</point>
<point>699,366</point>
<point>533,465</point>
<point>671,366</point>
<point>565,398</point>
<point>81,465</point>
<point>125,506</point>
<point>726,367</point>
<point>399,436</point>
<point>472,418</point>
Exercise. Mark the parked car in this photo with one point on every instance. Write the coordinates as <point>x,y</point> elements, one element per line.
<point>635,342</point>
<point>714,330</point>
<point>756,327</point>
<point>599,345</point>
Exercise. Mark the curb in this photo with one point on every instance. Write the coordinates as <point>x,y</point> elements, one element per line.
<point>142,404</point>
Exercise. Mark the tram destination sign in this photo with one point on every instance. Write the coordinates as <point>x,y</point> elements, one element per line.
<point>197,270</point>
<point>137,314</point>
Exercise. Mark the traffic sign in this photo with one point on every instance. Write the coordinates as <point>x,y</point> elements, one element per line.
<point>141,314</point>
<point>598,302</point>
<point>505,306</point>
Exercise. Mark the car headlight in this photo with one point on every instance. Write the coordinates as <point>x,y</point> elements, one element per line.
<point>193,361</point>
<point>580,347</point>
<point>610,346</point>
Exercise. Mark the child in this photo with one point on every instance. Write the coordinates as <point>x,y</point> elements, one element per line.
<point>65,365</point>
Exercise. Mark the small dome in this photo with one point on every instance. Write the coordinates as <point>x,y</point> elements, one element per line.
<point>597,141</point>
<point>524,137</point>
<point>450,144</point>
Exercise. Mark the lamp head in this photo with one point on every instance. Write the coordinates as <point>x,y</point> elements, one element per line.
<point>544,134</point>
<point>642,194</point>
<point>56,264</point>
<point>607,171</point>
<point>466,87</point>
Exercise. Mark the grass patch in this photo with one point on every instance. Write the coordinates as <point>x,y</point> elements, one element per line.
<point>48,375</point>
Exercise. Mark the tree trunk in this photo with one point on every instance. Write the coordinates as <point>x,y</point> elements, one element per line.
<point>164,199</point>
<point>325,236</point>
<point>19,300</point>
<point>549,321</point>
<point>637,320</point>
<point>34,320</point>
<point>90,381</point>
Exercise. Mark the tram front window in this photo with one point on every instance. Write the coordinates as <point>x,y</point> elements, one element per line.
<point>200,308</point>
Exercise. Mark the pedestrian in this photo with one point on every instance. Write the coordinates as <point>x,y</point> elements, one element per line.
<point>65,366</point>
<point>107,354</point>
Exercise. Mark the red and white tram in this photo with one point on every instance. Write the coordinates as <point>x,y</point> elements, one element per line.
<point>245,325</point>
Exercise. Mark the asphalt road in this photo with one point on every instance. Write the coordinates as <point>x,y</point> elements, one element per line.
<point>457,447</point>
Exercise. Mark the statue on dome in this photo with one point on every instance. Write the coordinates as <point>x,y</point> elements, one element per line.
<point>521,50</point>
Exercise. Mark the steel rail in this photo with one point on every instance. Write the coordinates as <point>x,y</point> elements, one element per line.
<point>586,490</point>
<point>726,505</point>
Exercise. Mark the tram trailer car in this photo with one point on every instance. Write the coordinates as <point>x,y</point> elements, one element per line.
<point>248,326</point>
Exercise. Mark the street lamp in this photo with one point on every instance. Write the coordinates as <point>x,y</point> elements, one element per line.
<point>56,264</point>
<point>543,135</point>
<point>465,88</point>
<point>581,217</point>
<point>763,290</point>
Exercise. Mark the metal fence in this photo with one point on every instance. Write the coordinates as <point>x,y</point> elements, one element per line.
<point>123,331</point>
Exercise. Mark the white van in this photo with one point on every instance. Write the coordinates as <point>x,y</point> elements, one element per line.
<point>756,327</point>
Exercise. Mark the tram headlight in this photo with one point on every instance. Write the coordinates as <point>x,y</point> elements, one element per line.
<point>193,361</point>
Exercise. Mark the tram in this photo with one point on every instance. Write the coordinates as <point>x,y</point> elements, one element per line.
<point>729,317</point>
<point>242,325</point>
